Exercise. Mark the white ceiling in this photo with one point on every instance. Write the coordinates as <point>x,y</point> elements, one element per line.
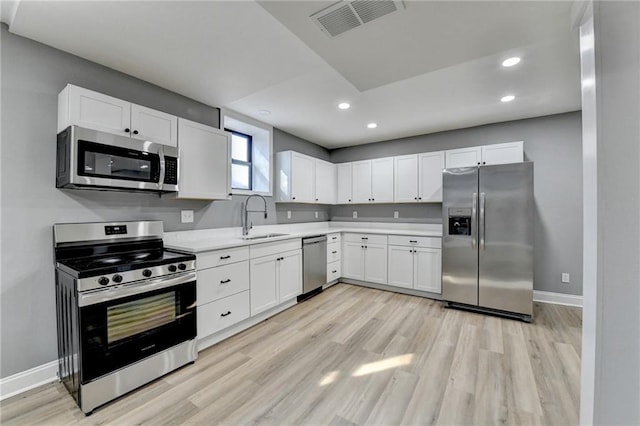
<point>430,67</point>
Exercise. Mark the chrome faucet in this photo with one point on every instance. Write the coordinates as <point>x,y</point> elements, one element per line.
<point>245,213</point>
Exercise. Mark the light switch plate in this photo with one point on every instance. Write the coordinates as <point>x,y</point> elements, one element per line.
<point>355,215</point>
<point>186,216</point>
<point>566,277</point>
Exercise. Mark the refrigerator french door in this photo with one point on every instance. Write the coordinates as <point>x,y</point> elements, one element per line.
<point>487,249</point>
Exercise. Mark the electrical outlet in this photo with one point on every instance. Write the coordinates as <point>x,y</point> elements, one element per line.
<point>288,214</point>
<point>316,215</point>
<point>355,215</point>
<point>186,216</point>
<point>396,215</point>
<point>565,277</point>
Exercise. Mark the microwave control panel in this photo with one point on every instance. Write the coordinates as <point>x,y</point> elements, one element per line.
<point>171,171</point>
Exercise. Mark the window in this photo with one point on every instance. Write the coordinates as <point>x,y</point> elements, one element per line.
<point>241,167</point>
<point>251,154</point>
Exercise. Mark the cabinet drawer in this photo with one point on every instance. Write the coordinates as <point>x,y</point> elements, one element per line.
<point>333,252</point>
<point>211,259</point>
<point>223,281</point>
<point>368,238</point>
<point>408,240</point>
<point>334,238</point>
<point>334,271</point>
<point>266,249</point>
<point>222,313</point>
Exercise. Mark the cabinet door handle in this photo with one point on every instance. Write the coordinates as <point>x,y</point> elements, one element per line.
<point>225,314</point>
<point>135,132</point>
<point>419,198</point>
<point>228,280</point>
<point>127,130</point>
<point>349,199</point>
<point>225,257</point>
<point>415,198</point>
<point>334,252</point>
<point>373,199</point>
<point>333,272</point>
<point>316,199</point>
<point>412,241</point>
<point>293,198</point>
<point>334,238</point>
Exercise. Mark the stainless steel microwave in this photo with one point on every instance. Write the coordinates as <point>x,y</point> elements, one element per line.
<point>89,159</point>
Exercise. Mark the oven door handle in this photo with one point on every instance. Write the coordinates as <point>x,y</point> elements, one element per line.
<point>118,292</point>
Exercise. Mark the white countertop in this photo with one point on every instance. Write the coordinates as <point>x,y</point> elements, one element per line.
<point>220,238</point>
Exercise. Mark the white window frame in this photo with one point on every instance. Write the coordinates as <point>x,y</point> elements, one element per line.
<point>261,134</point>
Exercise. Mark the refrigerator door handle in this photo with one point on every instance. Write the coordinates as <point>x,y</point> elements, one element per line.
<point>474,226</point>
<point>481,230</point>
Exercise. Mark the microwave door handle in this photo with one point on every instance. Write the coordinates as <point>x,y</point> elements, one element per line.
<point>163,166</point>
<point>113,293</point>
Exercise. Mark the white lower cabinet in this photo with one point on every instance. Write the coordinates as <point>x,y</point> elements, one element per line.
<point>415,267</point>
<point>365,258</point>
<point>428,269</point>
<point>275,279</point>
<point>222,313</point>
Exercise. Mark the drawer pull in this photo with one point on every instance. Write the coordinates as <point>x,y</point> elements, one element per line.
<point>333,272</point>
<point>225,314</point>
<point>334,252</point>
<point>334,238</point>
<point>412,241</point>
<point>225,257</point>
<point>364,238</point>
<point>228,280</point>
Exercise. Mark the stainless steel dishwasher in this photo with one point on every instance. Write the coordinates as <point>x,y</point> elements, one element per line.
<point>314,265</point>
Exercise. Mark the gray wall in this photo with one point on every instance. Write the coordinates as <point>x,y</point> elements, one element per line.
<point>553,143</point>
<point>617,307</point>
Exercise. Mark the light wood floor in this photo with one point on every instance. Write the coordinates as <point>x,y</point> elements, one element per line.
<point>355,355</point>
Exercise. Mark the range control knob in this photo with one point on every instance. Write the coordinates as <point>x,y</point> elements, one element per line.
<point>117,278</point>
<point>146,272</point>
<point>182,266</point>
<point>173,268</point>
<point>103,280</point>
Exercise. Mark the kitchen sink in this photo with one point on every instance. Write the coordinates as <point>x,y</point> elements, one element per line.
<point>260,237</point>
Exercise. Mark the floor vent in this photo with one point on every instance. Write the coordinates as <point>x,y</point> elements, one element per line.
<point>343,16</point>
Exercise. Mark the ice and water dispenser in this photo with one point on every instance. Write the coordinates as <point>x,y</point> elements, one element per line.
<point>459,221</point>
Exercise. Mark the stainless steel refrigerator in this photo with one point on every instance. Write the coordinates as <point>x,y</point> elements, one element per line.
<point>487,247</point>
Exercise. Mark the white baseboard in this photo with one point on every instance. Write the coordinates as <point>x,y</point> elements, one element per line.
<point>557,298</point>
<point>29,379</point>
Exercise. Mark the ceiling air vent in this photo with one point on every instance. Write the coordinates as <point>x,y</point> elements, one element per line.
<point>343,16</point>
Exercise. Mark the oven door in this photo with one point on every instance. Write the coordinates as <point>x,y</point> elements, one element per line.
<point>120,326</point>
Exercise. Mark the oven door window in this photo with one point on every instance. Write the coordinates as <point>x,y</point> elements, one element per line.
<point>117,333</point>
<point>114,162</point>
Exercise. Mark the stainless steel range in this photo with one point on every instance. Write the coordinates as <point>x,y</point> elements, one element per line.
<point>126,308</point>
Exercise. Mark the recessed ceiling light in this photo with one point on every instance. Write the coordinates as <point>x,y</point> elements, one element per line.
<point>509,62</point>
<point>507,98</point>
<point>343,105</point>
<point>264,112</point>
<point>372,125</point>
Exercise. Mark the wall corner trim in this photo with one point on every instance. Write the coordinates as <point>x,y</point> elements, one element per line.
<point>28,379</point>
<point>557,298</point>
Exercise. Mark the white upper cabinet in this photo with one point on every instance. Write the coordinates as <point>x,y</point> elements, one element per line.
<point>486,155</point>
<point>93,110</point>
<point>503,153</point>
<point>382,180</point>
<point>325,182</point>
<point>464,157</point>
<point>372,181</point>
<point>430,167</point>
<point>205,162</point>
<point>361,181</point>
<point>152,125</point>
<point>295,181</point>
<point>343,190</point>
<point>418,177</point>
<point>406,178</point>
